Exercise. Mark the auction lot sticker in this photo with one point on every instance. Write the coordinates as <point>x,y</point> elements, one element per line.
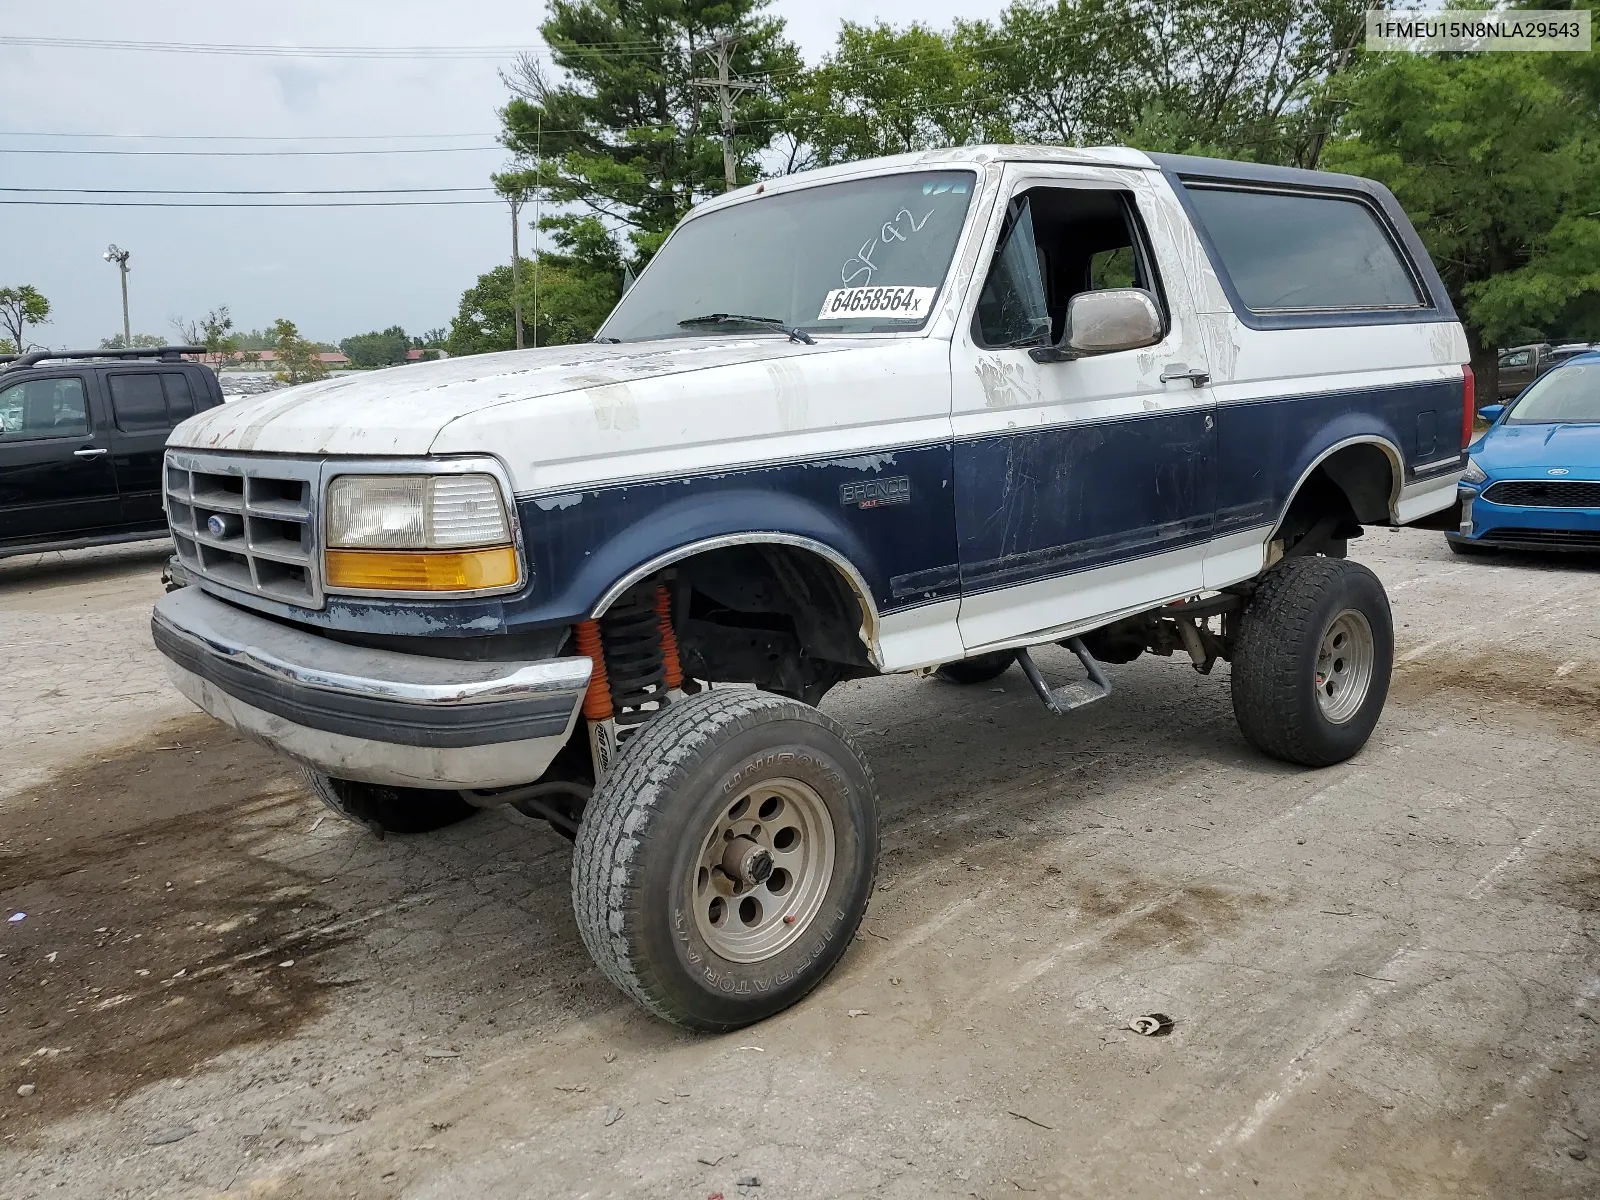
<point>906,303</point>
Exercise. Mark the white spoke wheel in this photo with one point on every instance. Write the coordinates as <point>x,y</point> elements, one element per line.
<point>1311,660</point>
<point>724,865</point>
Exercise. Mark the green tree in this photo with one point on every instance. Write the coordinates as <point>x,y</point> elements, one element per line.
<point>886,91</point>
<point>214,331</point>
<point>1496,159</point>
<point>298,360</point>
<point>385,349</point>
<point>1240,78</point>
<point>484,321</point>
<point>564,298</point>
<point>620,131</point>
<point>141,341</point>
<point>20,307</point>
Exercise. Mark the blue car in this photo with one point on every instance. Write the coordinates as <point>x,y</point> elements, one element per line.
<point>1533,479</point>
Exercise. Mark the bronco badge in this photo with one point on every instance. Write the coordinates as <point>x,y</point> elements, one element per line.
<point>875,493</point>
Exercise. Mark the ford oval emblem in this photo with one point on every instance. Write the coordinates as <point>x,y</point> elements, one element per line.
<point>1557,471</point>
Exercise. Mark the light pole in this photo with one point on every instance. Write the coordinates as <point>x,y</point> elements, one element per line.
<point>115,255</point>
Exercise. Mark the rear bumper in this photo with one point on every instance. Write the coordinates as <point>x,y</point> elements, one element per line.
<point>377,716</point>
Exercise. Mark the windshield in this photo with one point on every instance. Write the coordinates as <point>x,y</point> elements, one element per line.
<point>1567,394</point>
<point>866,256</point>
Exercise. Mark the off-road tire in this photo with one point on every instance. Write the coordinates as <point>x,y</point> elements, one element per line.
<point>1275,660</point>
<point>643,829</point>
<point>980,668</point>
<point>386,810</point>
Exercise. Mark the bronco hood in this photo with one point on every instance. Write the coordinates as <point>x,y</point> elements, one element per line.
<point>401,410</point>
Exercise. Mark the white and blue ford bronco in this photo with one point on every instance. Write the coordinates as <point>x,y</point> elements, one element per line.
<point>915,414</point>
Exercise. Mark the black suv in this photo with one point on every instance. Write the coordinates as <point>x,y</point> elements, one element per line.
<point>81,440</point>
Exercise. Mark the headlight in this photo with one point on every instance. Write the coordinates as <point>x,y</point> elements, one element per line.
<point>418,533</point>
<point>1474,473</point>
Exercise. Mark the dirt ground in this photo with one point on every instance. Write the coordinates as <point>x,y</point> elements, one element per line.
<point>1385,976</point>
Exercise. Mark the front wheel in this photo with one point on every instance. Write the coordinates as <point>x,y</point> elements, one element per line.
<point>1312,660</point>
<point>389,809</point>
<point>724,865</point>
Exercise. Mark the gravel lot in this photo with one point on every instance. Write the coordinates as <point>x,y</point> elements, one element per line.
<point>1385,976</point>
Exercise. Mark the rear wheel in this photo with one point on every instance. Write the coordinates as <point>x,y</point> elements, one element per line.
<point>724,865</point>
<point>980,668</point>
<point>1312,660</point>
<point>389,809</point>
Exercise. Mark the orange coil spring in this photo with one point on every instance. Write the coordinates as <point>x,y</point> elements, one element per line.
<point>597,700</point>
<point>669,639</point>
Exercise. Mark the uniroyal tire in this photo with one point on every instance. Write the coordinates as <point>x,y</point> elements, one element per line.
<point>1286,660</point>
<point>389,809</point>
<point>637,870</point>
<point>980,668</point>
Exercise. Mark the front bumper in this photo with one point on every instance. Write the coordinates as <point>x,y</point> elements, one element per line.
<point>1525,527</point>
<point>377,716</point>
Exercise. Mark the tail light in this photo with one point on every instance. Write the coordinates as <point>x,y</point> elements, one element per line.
<point>1469,405</point>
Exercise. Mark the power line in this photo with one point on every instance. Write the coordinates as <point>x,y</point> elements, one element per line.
<point>250,137</point>
<point>249,153</point>
<point>241,203</point>
<point>356,52</point>
<point>241,192</point>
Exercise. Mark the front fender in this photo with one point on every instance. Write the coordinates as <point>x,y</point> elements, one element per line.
<point>582,548</point>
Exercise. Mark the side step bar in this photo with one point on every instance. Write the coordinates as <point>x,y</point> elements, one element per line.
<point>1071,695</point>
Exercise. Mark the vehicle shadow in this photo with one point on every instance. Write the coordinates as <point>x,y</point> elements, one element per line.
<point>56,567</point>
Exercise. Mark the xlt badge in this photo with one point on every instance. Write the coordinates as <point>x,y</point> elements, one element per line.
<point>875,493</point>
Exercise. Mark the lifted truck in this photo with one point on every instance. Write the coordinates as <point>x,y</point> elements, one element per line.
<point>922,414</point>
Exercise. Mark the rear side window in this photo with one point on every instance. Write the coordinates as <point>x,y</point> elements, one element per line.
<point>43,408</point>
<point>150,400</point>
<point>1298,252</point>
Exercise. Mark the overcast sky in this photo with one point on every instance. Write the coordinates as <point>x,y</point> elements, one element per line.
<point>334,271</point>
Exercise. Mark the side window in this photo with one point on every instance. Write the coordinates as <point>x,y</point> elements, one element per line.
<point>43,408</point>
<point>1300,252</point>
<point>137,402</point>
<point>180,404</point>
<point>1519,359</point>
<point>1057,243</point>
<point>1011,308</point>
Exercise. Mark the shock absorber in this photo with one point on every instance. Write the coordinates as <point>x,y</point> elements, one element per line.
<point>636,670</point>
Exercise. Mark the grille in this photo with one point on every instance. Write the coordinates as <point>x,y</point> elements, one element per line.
<point>1541,493</point>
<point>1556,539</point>
<point>268,545</point>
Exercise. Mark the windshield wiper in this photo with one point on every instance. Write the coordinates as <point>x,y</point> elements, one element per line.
<point>607,341</point>
<point>795,334</point>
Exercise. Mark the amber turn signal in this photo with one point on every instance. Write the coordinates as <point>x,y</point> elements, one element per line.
<point>422,570</point>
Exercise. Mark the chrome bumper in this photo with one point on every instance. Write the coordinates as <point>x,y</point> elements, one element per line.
<point>377,716</point>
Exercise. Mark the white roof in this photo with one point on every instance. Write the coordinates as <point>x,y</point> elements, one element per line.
<point>956,156</point>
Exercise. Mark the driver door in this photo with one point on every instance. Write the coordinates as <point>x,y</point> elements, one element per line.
<point>1084,489</point>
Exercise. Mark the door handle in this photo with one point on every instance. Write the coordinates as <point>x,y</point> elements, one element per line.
<point>1181,371</point>
<point>91,452</point>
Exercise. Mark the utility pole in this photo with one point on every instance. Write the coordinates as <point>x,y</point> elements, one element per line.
<point>516,265</point>
<point>114,254</point>
<point>727,89</point>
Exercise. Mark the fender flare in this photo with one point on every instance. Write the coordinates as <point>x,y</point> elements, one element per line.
<point>761,537</point>
<point>1391,451</point>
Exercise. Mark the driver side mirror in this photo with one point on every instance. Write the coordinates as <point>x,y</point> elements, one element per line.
<point>1103,322</point>
<point>1491,412</point>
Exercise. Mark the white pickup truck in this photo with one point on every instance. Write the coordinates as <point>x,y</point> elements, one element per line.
<point>916,414</point>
